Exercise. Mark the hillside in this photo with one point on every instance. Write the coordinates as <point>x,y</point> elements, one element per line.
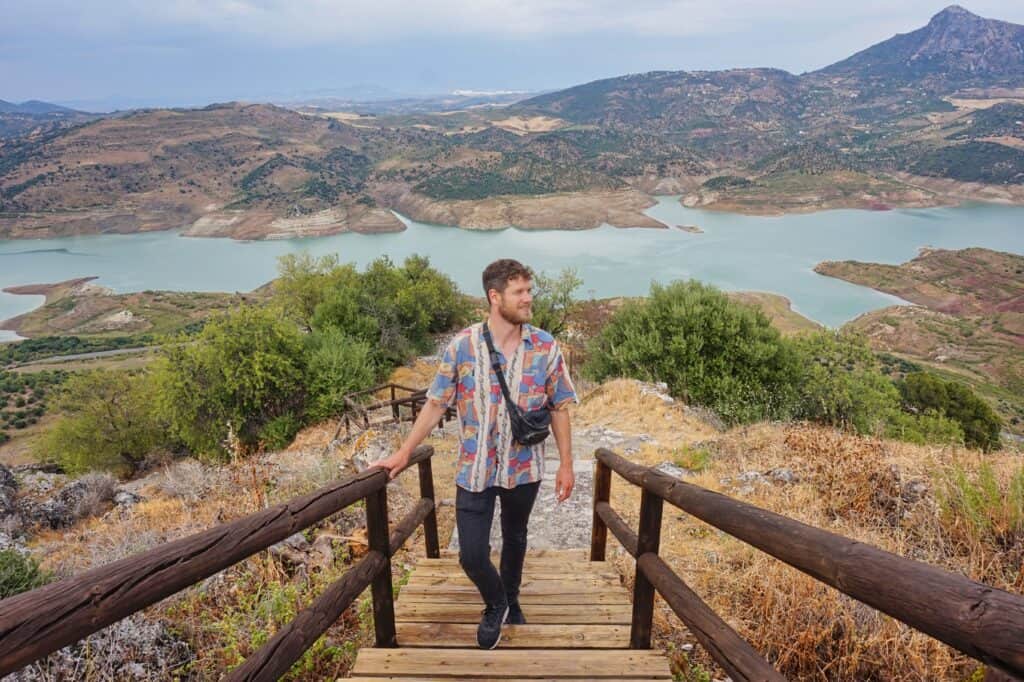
<point>926,118</point>
<point>970,322</point>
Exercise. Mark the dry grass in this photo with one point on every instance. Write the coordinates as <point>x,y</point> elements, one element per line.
<point>878,492</point>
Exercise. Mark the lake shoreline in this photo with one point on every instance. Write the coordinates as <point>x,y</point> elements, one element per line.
<point>571,211</point>
<point>734,253</point>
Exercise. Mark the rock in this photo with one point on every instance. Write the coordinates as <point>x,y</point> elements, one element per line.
<point>750,477</point>
<point>134,648</point>
<point>124,498</point>
<point>9,542</point>
<point>914,491</point>
<point>40,482</point>
<point>7,503</point>
<point>294,550</point>
<point>49,514</point>
<point>673,470</point>
<point>298,542</point>
<point>374,450</point>
<point>783,475</point>
<point>7,479</point>
<point>658,390</point>
<point>321,554</point>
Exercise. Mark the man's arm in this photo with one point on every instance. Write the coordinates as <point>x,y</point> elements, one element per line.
<point>428,418</point>
<point>565,479</point>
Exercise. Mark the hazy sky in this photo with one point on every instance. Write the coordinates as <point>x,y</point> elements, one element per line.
<point>185,52</point>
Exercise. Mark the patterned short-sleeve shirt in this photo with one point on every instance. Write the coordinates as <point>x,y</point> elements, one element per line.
<point>536,376</point>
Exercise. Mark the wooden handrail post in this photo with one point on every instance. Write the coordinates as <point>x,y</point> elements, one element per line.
<point>648,540</point>
<point>383,596</point>
<point>602,493</point>
<point>430,522</point>
<point>394,406</point>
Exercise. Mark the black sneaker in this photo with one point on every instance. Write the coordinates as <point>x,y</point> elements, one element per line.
<point>489,633</point>
<point>515,614</point>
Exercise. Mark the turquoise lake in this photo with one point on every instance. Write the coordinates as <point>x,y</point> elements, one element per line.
<point>735,252</point>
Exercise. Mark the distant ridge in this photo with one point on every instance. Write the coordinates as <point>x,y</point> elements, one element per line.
<point>34,107</point>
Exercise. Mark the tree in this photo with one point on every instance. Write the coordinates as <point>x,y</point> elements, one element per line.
<point>842,383</point>
<point>554,300</point>
<point>923,391</point>
<point>304,281</point>
<point>108,422</point>
<point>244,370</point>
<point>396,310</point>
<point>709,349</point>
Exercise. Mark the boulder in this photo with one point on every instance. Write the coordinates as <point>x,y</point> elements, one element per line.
<point>124,498</point>
<point>7,479</point>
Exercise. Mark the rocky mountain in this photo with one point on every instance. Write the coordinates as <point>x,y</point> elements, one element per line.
<point>956,50</point>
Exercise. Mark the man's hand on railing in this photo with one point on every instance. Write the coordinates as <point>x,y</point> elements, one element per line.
<point>394,464</point>
<point>429,415</point>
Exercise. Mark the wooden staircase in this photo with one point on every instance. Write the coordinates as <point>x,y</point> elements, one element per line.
<point>578,615</point>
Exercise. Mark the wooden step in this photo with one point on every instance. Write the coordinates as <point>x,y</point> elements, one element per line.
<point>446,596</point>
<point>504,664</point>
<point>531,636</point>
<point>534,571</point>
<point>464,584</point>
<point>563,554</point>
<point>468,612</point>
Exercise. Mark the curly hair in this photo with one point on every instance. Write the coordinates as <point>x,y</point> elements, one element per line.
<point>498,274</point>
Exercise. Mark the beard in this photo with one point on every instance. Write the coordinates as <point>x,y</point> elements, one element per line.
<point>515,315</point>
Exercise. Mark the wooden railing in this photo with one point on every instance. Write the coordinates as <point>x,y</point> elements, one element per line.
<point>37,623</point>
<point>981,621</point>
<point>414,400</point>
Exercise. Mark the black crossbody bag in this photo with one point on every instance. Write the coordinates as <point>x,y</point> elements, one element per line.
<point>528,428</point>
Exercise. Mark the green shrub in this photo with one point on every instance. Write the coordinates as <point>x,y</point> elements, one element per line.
<point>245,369</point>
<point>842,383</point>
<point>924,428</point>
<point>19,574</point>
<point>922,391</point>
<point>709,349</point>
<point>107,422</point>
<point>279,432</point>
<point>336,366</point>
<point>694,459</point>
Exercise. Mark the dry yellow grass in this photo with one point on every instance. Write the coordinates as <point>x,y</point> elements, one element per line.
<point>848,485</point>
<point>532,124</point>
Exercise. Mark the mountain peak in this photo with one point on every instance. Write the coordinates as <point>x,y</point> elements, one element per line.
<point>954,11</point>
<point>955,47</point>
<point>956,17</point>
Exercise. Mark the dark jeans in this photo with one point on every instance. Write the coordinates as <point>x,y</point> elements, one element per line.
<point>474,513</point>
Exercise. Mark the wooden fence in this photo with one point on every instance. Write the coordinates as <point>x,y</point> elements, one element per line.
<point>37,623</point>
<point>981,621</point>
<point>414,399</point>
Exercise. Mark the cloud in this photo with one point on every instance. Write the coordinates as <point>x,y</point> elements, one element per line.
<point>305,22</point>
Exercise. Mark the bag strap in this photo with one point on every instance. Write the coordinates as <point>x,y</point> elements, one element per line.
<point>496,366</point>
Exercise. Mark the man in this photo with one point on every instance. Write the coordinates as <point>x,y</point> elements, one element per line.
<point>491,464</point>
